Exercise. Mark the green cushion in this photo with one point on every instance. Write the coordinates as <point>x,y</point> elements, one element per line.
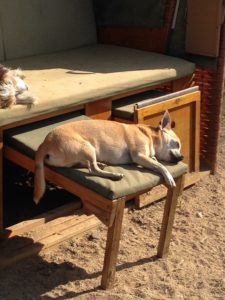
<point>89,73</point>
<point>26,139</point>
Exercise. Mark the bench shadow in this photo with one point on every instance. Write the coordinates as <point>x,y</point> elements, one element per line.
<point>42,275</point>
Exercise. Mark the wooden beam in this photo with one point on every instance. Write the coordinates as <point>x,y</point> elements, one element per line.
<point>168,217</point>
<point>44,237</point>
<point>112,247</point>
<point>28,225</point>
<point>1,181</point>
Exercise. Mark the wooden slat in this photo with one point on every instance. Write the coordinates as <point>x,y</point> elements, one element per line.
<point>112,247</point>
<point>169,104</point>
<point>44,116</point>
<point>21,246</point>
<point>168,217</point>
<point>1,180</point>
<point>28,225</point>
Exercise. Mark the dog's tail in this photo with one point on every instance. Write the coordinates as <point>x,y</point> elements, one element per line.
<point>39,175</point>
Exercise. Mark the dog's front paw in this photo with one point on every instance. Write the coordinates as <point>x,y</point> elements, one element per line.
<point>118,176</point>
<point>101,165</point>
<point>170,181</point>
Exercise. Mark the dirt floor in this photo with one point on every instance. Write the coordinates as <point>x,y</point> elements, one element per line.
<point>194,269</point>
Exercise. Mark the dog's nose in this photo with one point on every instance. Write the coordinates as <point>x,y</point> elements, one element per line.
<point>180,158</point>
<point>175,157</point>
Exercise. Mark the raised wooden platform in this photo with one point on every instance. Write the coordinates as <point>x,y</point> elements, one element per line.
<point>34,236</point>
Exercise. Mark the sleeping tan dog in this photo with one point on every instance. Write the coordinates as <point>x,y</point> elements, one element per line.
<point>13,89</point>
<point>92,143</point>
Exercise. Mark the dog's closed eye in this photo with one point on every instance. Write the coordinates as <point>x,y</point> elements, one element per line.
<point>174,144</point>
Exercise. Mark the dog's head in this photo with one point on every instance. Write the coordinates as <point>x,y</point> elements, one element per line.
<point>170,149</point>
<point>13,88</point>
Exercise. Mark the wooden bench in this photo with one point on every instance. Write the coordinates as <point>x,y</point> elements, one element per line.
<point>102,197</point>
<point>69,67</point>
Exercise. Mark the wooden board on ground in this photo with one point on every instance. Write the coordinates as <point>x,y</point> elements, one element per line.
<point>44,236</point>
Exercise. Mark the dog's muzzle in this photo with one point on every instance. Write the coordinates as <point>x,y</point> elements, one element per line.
<point>176,157</point>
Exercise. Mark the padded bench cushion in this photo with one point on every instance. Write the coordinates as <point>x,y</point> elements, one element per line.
<point>26,139</point>
<point>89,73</point>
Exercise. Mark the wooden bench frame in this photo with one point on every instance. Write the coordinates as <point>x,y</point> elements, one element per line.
<point>108,212</point>
<point>100,109</point>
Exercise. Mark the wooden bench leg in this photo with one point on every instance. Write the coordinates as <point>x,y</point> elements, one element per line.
<point>1,181</point>
<point>168,217</point>
<point>112,247</point>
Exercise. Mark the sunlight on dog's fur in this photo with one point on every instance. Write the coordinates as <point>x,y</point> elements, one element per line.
<point>13,89</point>
<point>94,143</point>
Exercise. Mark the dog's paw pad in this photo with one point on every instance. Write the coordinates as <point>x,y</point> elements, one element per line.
<point>119,176</point>
<point>170,181</point>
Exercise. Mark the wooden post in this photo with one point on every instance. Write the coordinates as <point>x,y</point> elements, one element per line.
<point>1,181</point>
<point>168,217</point>
<point>112,247</point>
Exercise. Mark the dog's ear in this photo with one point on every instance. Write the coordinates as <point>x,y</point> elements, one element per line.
<point>18,72</point>
<point>165,121</point>
<point>3,71</point>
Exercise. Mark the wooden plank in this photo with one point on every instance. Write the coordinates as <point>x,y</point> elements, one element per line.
<point>28,225</point>
<point>151,196</point>
<point>112,247</point>
<point>103,216</point>
<point>1,181</point>
<point>101,109</point>
<point>123,120</point>
<point>44,116</point>
<point>197,135</point>
<point>169,104</point>
<point>168,217</point>
<point>31,247</point>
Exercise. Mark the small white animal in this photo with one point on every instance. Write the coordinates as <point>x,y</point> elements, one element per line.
<point>94,143</point>
<point>13,89</point>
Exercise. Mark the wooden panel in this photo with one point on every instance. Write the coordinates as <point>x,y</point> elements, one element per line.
<point>185,112</point>
<point>1,180</point>
<point>204,20</point>
<point>44,237</point>
<point>99,109</point>
<point>149,39</point>
<point>28,225</point>
<point>183,119</point>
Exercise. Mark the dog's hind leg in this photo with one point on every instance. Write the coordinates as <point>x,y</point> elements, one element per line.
<point>94,169</point>
<point>154,165</point>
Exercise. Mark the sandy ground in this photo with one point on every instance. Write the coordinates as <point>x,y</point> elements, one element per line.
<point>194,269</point>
